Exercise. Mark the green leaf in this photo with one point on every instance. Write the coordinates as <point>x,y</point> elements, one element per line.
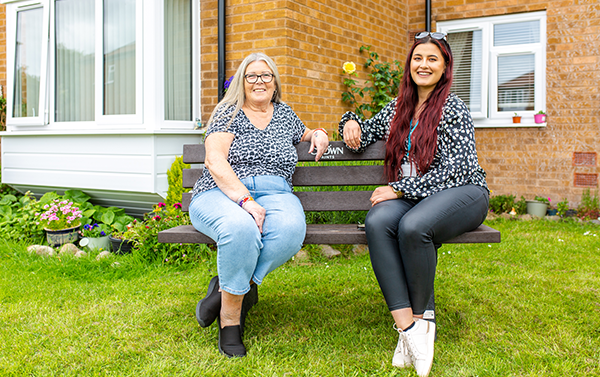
<point>5,211</point>
<point>108,217</point>
<point>8,199</point>
<point>77,196</point>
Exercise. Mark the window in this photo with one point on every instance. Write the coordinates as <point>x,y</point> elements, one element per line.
<point>79,63</point>
<point>28,64</point>
<point>499,66</point>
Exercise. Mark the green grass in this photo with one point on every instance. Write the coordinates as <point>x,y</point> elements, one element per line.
<point>528,306</point>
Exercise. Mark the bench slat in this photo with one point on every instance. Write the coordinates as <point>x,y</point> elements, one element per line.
<point>361,175</point>
<point>195,153</point>
<point>333,234</point>
<point>320,200</point>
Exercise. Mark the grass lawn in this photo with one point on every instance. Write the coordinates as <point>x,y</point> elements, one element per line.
<point>529,306</point>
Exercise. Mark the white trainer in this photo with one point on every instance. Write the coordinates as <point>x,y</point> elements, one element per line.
<point>401,357</point>
<point>419,342</point>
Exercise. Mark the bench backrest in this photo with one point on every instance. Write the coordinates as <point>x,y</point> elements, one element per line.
<point>324,174</point>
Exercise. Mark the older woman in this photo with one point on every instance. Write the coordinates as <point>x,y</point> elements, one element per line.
<point>436,190</point>
<point>244,199</point>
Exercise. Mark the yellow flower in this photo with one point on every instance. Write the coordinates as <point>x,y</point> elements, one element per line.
<point>349,67</point>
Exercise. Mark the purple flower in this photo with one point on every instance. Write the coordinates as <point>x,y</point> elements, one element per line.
<point>227,83</point>
<point>102,233</point>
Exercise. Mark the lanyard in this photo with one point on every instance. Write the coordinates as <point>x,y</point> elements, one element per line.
<point>410,136</point>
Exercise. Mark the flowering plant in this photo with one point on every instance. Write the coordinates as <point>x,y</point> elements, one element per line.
<point>94,230</point>
<point>227,83</point>
<point>543,200</point>
<point>349,68</point>
<point>60,214</point>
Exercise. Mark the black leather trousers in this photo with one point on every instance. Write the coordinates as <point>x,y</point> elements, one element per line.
<point>403,237</point>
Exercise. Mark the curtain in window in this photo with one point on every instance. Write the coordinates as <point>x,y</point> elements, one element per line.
<point>75,54</point>
<point>119,57</point>
<point>178,60</point>
<point>28,61</point>
<point>467,52</point>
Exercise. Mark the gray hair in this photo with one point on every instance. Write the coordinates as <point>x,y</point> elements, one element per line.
<point>236,96</point>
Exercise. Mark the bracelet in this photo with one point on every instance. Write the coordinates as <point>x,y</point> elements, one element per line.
<point>243,199</point>
<point>321,129</point>
<point>247,199</point>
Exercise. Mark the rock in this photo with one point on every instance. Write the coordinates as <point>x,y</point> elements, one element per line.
<point>329,251</point>
<point>301,256</point>
<point>80,253</point>
<point>360,249</point>
<point>527,217</point>
<point>41,250</point>
<point>102,255</point>
<point>68,248</point>
<point>553,218</point>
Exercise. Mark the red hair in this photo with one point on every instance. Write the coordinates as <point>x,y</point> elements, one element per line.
<point>424,137</point>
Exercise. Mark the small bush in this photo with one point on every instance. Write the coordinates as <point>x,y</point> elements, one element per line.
<point>175,178</point>
<point>502,203</point>
<point>589,208</point>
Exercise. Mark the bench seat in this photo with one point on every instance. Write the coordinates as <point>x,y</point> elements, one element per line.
<point>331,234</point>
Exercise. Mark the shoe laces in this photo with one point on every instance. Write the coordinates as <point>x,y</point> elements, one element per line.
<point>409,343</point>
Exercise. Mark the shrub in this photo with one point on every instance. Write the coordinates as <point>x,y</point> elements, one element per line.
<point>175,178</point>
<point>381,87</point>
<point>18,220</point>
<point>562,207</point>
<point>589,207</point>
<point>502,203</point>
<point>145,236</point>
<point>521,206</point>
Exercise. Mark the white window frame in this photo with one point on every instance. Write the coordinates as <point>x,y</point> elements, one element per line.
<point>489,116</point>
<point>129,119</point>
<point>11,45</point>
<point>160,63</point>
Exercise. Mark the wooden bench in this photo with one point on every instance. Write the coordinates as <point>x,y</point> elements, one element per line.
<point>322,175</point>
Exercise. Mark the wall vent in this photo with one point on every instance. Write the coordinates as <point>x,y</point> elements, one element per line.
<point>584,158</point>
<point>586,180</point>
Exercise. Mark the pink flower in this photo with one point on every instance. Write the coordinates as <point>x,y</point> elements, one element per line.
<point>161,204</point>
<point>177,205</point>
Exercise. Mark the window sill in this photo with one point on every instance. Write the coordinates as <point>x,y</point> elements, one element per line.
<point>506,123</point>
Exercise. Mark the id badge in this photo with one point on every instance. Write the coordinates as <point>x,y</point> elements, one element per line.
<point>409,170</point>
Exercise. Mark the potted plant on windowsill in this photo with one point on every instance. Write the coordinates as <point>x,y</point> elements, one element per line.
<point>61,221</point>
<point>516,118</point>
<point>95,237</point>
<point>538,207</point>
<point>540,117</point>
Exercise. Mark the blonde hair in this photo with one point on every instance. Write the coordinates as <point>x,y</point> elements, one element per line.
<point>236,95</point>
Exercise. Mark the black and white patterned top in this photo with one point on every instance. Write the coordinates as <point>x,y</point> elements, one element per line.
<point>255,152</point>
<point>455,162</point>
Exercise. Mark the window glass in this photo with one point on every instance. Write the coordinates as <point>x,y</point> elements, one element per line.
<point>28,60</point>
<point>119,57</point>
<point>178,60</point>
<point>517,33</point>
<point>75,60</point>
<point>466,50</point>
<point>516,84</point>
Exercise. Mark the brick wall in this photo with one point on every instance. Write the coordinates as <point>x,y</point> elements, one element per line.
<point>541,161</point>
<point>309,41</point>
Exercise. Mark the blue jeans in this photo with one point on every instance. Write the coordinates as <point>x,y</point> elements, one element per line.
<point>243,253</point>
<point>404,235</point>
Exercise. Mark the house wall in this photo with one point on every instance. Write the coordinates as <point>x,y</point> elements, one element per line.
<point>309,41</point>
<point>543,161</point>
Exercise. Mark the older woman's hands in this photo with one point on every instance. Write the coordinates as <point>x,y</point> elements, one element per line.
<point>257,211</point>
<point>352,134</point>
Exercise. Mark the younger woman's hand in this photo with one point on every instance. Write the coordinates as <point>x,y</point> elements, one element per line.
<point>320,140</point>
<point>382,194</point>
<point>352,133</point>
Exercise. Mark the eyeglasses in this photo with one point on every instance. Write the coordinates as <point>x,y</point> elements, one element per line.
<point>436,35</point>
<point>252,78</point>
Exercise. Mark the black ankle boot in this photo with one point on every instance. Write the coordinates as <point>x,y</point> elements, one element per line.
<point>230,341</point>
<point>209,307</point>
